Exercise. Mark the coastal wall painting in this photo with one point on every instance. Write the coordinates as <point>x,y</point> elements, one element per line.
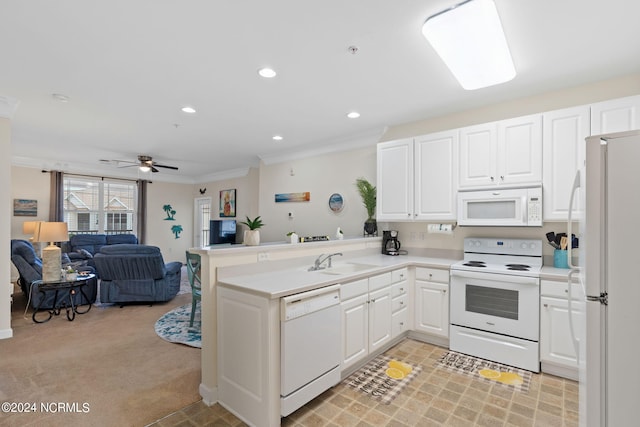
<point>25,207</point>
<point>293,197</point>
<point>228,203</point>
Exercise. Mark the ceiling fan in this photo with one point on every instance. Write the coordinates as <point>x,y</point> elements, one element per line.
<point>145,164</point>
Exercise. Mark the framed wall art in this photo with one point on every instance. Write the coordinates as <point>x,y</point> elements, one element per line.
<point>228,203</point>
<point>336,202</point>
<point>293,197</point>
<point>25,207</point>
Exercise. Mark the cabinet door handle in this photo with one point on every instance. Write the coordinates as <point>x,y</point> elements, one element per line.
<point>401,302</point>
<point>491,179</point>
<point>444,291</point>
<point>401,289</point>
<point>401,323</point>
<point>408,214</point>
<point>502,177</point>
<point>430,275</point>
<point>545,305</point>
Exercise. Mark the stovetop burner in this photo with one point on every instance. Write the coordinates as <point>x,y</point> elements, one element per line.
<point>475,264</point>
<point>518,267</point>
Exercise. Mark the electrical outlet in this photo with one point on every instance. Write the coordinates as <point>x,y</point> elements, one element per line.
<point>290,215</point>
<point>263,256</point>
<point>412,236</point>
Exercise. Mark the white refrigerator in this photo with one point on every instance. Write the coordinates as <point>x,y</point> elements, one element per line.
<point>608,340</point>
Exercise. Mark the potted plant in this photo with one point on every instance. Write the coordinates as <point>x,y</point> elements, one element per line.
<point>252,235</point>
<point>368,194</point>
<point>293,237</point>
<point>70,274</point>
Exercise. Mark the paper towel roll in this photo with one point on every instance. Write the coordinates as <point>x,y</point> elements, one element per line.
<point>440,228</point>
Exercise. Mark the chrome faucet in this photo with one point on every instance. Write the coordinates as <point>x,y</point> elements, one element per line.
<point>317,264</point>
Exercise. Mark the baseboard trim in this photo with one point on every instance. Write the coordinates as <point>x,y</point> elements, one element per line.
<point>209,395</point>
<point>6,333</point>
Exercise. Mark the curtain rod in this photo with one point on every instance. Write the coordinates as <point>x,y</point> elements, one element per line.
<point>101,177</point>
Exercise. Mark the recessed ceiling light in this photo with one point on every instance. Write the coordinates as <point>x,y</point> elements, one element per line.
<point>60,97</point>
<point>353,115</point>
<point>277,137</point>
<point>189,110</point>
<point>267,73</point>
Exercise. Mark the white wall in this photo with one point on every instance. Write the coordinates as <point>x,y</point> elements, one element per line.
<point>322,176</point>
<point>29,183</point>
<point>6,287</point>
<point>579,95</point>
<point>159,233</point>
<point>246,196</point>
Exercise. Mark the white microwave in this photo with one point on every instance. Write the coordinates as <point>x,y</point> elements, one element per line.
<point>513,207</point>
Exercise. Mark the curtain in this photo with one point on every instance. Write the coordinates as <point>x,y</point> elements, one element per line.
<point>56,199</point>
<point>142,211</point>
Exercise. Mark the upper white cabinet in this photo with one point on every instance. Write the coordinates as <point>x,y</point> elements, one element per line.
<point>507,152</point>
<point>435,170</point>
<point>417,178</point>
<point>616,115</point>
<point>564,133</point>
<point>395,180</point>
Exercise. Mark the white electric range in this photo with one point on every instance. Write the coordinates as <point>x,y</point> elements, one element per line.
<point>495,301</point>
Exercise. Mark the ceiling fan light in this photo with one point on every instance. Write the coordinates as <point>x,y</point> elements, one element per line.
<point>470,40</point>
<point>145,168</point>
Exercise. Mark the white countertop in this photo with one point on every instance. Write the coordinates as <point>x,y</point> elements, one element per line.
<point>282,282</point>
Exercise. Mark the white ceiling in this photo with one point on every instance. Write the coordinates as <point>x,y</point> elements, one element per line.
<point>129,66</point>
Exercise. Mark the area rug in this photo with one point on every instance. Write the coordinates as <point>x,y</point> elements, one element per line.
<point>185,286</point>
<point>485,370</point>
<point>174,326</point>
<point>384,378</point>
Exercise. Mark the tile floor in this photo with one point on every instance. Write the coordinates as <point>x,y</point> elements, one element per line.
<point>435,397</point>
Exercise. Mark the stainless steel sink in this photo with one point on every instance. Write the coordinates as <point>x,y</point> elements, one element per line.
<point>347,268</point>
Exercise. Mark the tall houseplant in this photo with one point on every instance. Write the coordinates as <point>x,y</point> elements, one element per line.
<point>252,235</point>
<point>368,194</point>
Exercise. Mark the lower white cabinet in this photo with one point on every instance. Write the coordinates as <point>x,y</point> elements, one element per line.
<point>432,301</point>
<point>557,351</point>
<point>399,303</point>
<point>372,313</point>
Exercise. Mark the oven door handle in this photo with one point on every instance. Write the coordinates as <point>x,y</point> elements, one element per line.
<point>520,280</point>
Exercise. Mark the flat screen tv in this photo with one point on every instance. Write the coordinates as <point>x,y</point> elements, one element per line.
<point>222,231</point>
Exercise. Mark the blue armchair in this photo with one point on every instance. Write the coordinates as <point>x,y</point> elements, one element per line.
<point>136,273</point>
<point>29,266</point>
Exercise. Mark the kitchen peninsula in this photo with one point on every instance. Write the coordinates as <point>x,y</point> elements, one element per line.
<point>242,292</point>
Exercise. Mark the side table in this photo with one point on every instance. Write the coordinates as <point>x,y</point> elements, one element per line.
<point>65,290</point>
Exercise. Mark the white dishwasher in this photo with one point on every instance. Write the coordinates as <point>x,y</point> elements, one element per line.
<point>310,331</point>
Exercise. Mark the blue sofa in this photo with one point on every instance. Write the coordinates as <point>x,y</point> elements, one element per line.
<point>82,247</point>
<point>136,273</point>
<point>29,266</point>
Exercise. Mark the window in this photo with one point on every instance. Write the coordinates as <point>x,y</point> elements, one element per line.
<point>96,205</point>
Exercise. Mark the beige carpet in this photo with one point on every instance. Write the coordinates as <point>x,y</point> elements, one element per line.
<point>107,367</point>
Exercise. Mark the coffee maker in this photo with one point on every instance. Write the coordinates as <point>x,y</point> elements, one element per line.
<point>390,242</point>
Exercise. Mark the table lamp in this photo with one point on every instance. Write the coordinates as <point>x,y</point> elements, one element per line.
<point>51,255</point>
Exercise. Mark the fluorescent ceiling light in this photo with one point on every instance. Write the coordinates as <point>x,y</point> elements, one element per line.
<point>277,138</point>
<point>353,115</point>
<point>189,110</point>
<point>267,73</point>
<point>470,40</point>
